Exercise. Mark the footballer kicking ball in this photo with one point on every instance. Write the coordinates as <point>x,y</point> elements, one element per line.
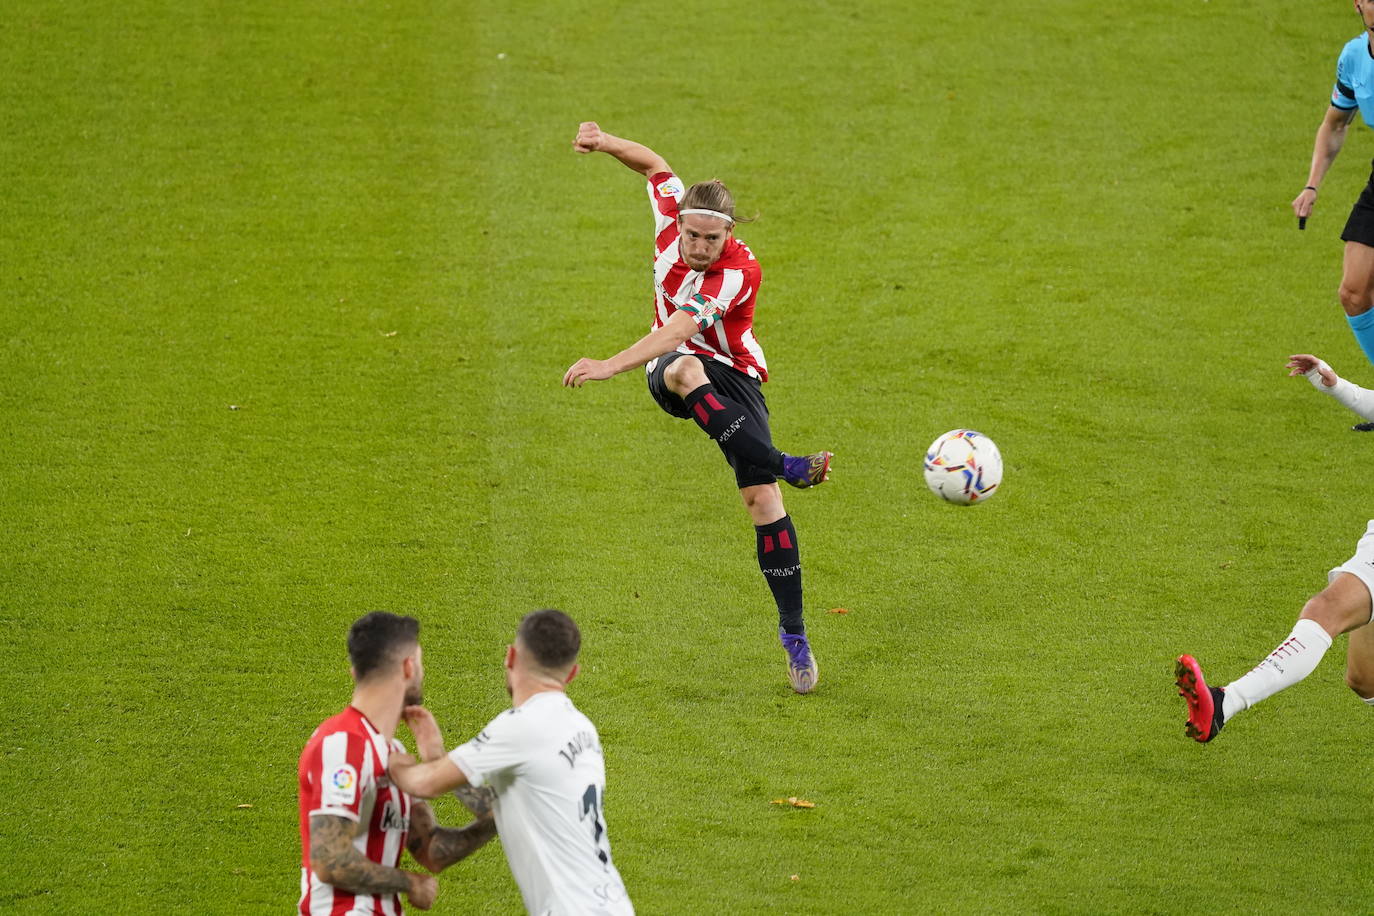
<point>963,466</point>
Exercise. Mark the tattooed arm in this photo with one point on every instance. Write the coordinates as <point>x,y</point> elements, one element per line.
<point>337,862</point>
<point>435,847</point>
<point>478,801</point>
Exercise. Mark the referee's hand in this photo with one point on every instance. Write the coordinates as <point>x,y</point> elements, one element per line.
<point>1302,205</point>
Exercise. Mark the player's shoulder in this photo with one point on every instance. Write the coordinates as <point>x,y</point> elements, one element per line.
<point>348,722</point>
<point>1356,50</point>
<point>667,184</point>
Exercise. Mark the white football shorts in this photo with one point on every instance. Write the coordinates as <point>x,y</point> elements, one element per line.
<point>1361,565</point>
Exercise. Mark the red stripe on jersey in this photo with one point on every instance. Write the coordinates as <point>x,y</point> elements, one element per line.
<point>665,238</point>
<point>673,281</point>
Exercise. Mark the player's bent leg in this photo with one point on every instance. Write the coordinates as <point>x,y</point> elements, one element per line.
<point>684,376</point>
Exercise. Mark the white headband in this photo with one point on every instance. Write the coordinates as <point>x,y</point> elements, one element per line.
<point>716,213</point>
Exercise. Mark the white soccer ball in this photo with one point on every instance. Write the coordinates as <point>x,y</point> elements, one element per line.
<point>963,466</point>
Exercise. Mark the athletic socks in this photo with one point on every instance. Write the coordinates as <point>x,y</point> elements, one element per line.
<point>780,563</point>
<point>732,427</point>
<point>1294,659</point>
<point>1362,326</point>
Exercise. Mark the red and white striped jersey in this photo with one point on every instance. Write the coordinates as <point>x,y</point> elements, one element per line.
<point>720,297</point>
<point>343,773</point>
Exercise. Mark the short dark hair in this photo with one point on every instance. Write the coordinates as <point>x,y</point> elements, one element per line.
<point>378,639</point>
<point>551,637</point>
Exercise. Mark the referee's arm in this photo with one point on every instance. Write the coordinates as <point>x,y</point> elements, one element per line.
<point>1330,138</point>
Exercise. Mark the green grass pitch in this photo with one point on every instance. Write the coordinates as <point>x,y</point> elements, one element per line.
<point>286,292</point>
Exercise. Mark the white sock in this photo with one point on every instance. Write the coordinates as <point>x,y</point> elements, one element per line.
<point>1294,659</point>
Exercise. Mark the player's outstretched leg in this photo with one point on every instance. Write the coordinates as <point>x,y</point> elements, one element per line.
<point>1342,606</point>
<point>732,427</point>
<point>1205,704</point>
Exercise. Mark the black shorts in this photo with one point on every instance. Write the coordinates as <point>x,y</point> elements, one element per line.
<point>1360,226</point>
<point>735,385</point>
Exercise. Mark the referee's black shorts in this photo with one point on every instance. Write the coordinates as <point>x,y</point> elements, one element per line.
<point>1360,226</point>
<point>735,385</point>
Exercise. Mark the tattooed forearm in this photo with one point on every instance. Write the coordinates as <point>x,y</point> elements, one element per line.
<point>435,847</point>
<point>450,844</point>
<point>478,801</point>
<point>335,859</point>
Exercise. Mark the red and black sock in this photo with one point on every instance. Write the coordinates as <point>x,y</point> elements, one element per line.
<point>780,563</point>
<point>732,427</point>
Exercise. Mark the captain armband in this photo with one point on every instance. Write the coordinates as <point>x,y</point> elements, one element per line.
<point>706,311</point>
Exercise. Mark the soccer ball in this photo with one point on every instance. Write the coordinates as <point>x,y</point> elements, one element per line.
<point>963,466</point>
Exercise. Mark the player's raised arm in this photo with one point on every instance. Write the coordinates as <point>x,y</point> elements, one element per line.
<point>335,859</point>
<point>592,139</point>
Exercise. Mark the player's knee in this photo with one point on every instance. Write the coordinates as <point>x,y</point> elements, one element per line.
<point>1323,610</point>
<point>1356,297</point>
<point>1360,680</point>
<point>684,375</point>
<point>764,503</point>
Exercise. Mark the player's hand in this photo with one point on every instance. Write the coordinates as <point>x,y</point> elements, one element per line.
<point>1303,363</point>
<point>1302,204</point>
<point>587,370</point>
<point>423,890</point>
<point>589,137</point>
<point>422,725</point>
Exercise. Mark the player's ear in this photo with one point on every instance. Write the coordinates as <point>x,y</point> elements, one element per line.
<point>572,673</point>
<point>510,656</point>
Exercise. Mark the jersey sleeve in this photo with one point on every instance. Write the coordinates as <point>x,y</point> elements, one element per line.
<point>1342,94</point>
<point>503,745</point>
<point>719,292</point>
<point>338,777</point>
<point>665,192</point>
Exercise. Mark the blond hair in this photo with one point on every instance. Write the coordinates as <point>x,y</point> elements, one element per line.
<point>712,195</point>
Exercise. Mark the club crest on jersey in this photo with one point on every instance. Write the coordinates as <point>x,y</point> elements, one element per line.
<point>341,785</point>
<point>706,309</point>
<point>670,187</point>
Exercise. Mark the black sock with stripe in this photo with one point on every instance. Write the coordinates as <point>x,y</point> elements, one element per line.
<point>780,563</point>
<point>732,427</point>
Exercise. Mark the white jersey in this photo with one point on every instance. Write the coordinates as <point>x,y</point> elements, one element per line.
<point>543,759</point>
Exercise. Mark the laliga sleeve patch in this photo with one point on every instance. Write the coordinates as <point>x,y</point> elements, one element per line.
<point>340,787</point>
<point>670,187</point>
